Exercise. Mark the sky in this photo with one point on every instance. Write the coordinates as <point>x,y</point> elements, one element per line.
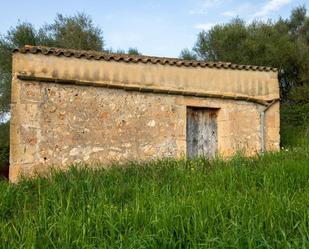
<point>159,28</point>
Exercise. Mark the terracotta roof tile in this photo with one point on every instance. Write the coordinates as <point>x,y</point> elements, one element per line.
<point>136,58</point>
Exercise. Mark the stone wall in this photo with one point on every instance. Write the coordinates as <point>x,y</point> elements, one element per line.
<point>56,124</point>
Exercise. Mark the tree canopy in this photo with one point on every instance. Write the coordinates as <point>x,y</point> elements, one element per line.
<point>283,44</point>
<point>76,32</point>
<point>186,54</point>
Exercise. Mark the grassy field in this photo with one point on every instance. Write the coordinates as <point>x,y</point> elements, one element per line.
<point>261,202</point>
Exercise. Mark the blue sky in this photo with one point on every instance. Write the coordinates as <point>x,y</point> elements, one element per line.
<point>161,28</point>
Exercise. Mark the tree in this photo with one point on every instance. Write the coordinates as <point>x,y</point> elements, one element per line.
<point>76,32</point>
<point>299,28</point>
<point>283,44</point>
<point>24,33</point>
<point>133,51</point>
<point>297,21</point>
<point>222,42</point>
<point>186,54</point>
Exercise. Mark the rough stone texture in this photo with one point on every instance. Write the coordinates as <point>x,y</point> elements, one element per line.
<point>56,124</point>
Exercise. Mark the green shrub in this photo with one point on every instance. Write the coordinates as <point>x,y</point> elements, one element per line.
<point>4,145</point>
<point>300,94</point>
<point>294,125</point>
<point>4,133</point>
<point>4,156</point>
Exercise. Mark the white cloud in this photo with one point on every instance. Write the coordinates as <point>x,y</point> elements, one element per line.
<point>208,3</point>
<point>204,26</point>
<point>198,12</point>
<point>272,5</point>
<point>204,6</point>
<point>244,10</point>
<point>229,13</point>
<point>250,11</point>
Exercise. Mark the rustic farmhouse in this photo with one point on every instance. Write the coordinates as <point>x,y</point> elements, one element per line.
<point>73,106</point>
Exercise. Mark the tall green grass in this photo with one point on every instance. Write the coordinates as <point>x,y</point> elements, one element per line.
<point>260,202</point>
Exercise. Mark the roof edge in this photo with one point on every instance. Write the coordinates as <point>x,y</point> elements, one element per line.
<point>95,55</point>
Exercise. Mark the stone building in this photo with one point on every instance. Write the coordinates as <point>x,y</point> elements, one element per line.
<point>73,106</point>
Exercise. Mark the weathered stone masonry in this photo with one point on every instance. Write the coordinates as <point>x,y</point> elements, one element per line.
<point>76,106</point>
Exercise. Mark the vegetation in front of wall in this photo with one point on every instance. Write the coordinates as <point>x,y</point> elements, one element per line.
<point>257,202</point>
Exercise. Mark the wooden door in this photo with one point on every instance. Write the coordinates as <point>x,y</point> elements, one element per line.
<point>201,132</point>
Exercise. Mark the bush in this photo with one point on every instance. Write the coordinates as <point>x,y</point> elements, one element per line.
<point>300,94</point>
<point>4,148</point>
<point>294,125</point>
<point>4,156</point>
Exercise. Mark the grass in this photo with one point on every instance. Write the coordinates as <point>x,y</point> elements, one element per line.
<point>260,202</point>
